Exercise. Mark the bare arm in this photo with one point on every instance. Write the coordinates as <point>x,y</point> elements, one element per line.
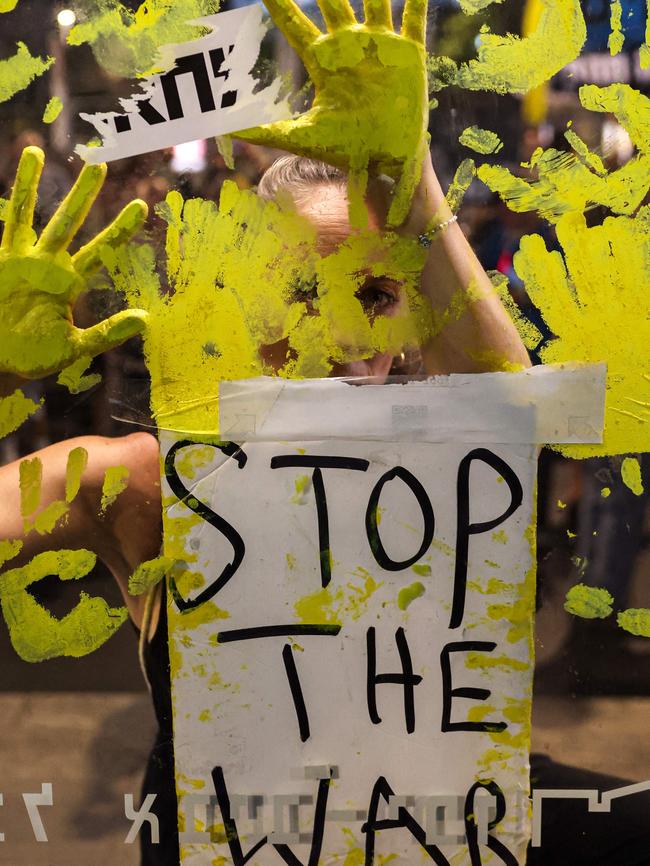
<point>126,535</point>
<point>483,336</point>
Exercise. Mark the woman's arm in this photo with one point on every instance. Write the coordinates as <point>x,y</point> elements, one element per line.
<point>482,336</point>
<point>128,533</point>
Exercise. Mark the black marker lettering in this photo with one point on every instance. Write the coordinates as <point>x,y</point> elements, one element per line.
<point>406,678</point>
<point>449,693</point>
<point>296,692</point>
<point>232,834</point>
<point>372,521</point>
<point>405,819</point>
<point>229,824</point>
<point>318,464</point>
<point>471,828</point>
<point>290,630</point>
<point>184,495</point>
<point>318,832</point>
<point>464,528</point>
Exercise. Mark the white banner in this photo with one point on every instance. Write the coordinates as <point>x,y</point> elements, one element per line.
<point>208,92</point>
<point>351,644</point>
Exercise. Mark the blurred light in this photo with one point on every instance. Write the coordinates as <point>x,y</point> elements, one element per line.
<point>190,156</point>
<point>66,18</point>
<point>616,142</point>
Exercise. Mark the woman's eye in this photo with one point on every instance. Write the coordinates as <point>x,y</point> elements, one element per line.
<point>376,299</point>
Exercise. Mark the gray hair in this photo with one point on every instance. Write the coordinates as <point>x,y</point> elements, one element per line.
<point>299,175</point>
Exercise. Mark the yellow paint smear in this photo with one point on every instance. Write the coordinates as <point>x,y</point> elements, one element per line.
<point>480,140</point>
<point>329,607</point>
<point>616,38</point>
<point>15,410</point>
<point>18,71</point>
<point>128,43</point>
<point>76,466</point>
<point>116,480</point>
<point>511,64</point>
<point>591,292</point>
<point>30,475</point>
<point>148,574</point>
<point>9,549</point>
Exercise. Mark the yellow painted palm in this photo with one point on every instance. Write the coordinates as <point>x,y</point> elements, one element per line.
<point>371,100</point>
<point>40,280</point>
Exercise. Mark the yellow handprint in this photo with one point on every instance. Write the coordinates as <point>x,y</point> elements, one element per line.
<point>36,634</point>
<point>40,280</point>
<point>370,107</point>
<point>593,294</point>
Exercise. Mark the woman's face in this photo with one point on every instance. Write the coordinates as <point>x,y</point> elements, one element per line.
<point>327,211</point>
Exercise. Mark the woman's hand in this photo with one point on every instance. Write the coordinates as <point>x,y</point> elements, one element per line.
<point>40,280</point>
<point>371,103</point>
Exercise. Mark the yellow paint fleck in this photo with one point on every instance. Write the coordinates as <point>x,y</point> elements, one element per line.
<point>301,484</point>
<point>52,110</point>
<point>74,376</point>
<point>631,475</point>
<point>635,620</point>
<point>605,492</point>
<point>589,602</point>
<point>408,594</point>
<point>480,140</point>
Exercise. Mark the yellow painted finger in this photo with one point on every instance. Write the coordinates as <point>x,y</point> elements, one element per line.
<point>124,226</point>
<point>73,210</point>
<point>20,210</point>
<point>299,30</point>
<point>337,14</point>
<point>414,20</point>
<point>378,13</point>
<point>110,333</point>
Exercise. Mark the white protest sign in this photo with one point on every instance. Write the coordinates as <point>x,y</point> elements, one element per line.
<point>207,92</point>
<point>351,632</point>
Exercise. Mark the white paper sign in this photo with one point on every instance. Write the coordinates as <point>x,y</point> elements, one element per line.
<point>351,635</point>
<point>208,92</point>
